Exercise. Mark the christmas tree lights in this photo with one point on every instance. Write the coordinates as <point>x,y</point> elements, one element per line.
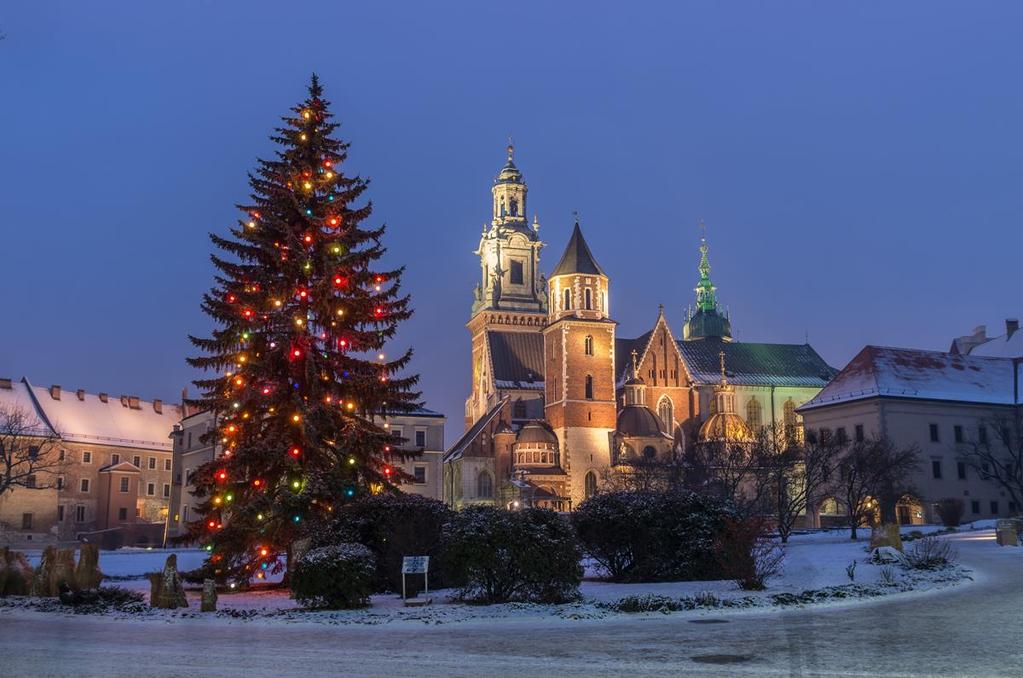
<point>298,377</point>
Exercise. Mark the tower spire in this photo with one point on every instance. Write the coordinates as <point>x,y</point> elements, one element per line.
<point>706,293</point>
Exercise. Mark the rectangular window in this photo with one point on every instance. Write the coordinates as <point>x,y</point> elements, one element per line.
<point>840,434</point>
<point>957,430</point>
<point>166,490</point>
<point>30,482</point>
<point>166,464</point>
<point>137,461</point>
<point>152,463</point>
<point>60,513</point>
<point>420,438</point>
<point>62,455</point>
<point>189,445</point>
<point>420,475</point>
<point>122,514</point>
<point>982,435</point>
<point>60,483</point>
<point>961,470</point>
<point>124,484</point>
<point>934,433</point>
<point>1012,507</point>
<point>515,272</point>
<point>115,458</point>
<point>396,432</point>
<point>86,457</point>
<point>85,485</point>
<point>26,521</point>
<point>974,506</point>
<point>79,514</point>
<point>151,489</point>
<point>33,452</point>
<point>936,469</point>
<point>994,507</point>
<point>859,433</point>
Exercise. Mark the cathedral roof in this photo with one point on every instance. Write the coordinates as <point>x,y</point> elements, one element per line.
<point>751,364</point>
<point>638,421</point>
<point>577,257</point>
<point>462,444</point>
<point>707,324</point>
<point>517,359</point>
<point>509,173</point>
<point>537,432</point>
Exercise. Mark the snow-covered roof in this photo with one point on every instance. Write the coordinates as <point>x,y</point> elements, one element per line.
<point>16,395</point>
<point>879,371</point>
<point>124,421</point>
<point>1005,346</point>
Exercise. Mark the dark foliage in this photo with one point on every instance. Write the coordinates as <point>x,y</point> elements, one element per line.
<point>339,576</point>
<point>745,554</point>
<point>102,599</point>
<point>652,536</point>
<point>951,511</point>
<point>392,526</point>
<point>498,556</point>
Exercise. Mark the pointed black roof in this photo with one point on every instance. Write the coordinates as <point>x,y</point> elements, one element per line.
<point>577,257</point>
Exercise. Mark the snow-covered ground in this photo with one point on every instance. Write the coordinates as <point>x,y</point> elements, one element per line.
<point>813,560</point>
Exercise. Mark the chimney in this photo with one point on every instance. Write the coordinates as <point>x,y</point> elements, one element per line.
<point>103,397</point>
<point>6,384</point>
<point>133,403</point>
<point>55,391</point>
<point>157,406</point>
<point>980,333</point>
<point>80,394</point>
<point>124,401</point>
<point>1011,326</point>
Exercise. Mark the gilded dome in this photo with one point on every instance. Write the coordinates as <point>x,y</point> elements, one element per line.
<point>536,433</point>
<point>727,426</point>
<point>638,421</point>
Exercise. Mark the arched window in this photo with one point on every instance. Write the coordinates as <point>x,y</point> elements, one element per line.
<point>568,300</point>
<point>484,485</point>
<point>588,345</point>
<point>514,207</point>
<point>590,484</point>
<point>603,303</point>
<point>589,387</point>
<point>649,453</point>
<point>754,414</point>
<point>665,410</point>
<point>789,419</point>
<point>587,299</point>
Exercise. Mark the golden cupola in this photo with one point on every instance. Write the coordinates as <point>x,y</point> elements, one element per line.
<point>725,425</point>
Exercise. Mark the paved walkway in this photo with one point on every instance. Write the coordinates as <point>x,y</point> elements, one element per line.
<point>973,630</point>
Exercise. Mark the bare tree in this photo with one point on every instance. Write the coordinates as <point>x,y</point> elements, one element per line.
<point>641,475</point>
<point>796,477</point>
<point>29,452</point>
<point>872,476</point>
<point>732,471</point>
<point>997,453</point>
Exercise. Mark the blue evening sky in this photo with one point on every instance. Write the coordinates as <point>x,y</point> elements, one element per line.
<point>859,165</point>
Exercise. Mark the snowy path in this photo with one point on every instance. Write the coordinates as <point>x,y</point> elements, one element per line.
<point>970,630</point>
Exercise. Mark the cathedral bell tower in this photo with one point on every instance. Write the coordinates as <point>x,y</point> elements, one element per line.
<point>579,342</point>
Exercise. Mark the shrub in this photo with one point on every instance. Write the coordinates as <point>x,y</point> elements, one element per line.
<point>102,599</point>
<point>335,576</point>
<point>651,536</point>
<point>647,603</point>
<point>950,511</point>
<point>392,526</point>
<point>498,556</point>
<point>745,554</point>
<point>930,553</point>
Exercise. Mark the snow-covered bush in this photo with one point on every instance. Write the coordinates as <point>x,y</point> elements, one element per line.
<point>652,536</point>
<point>392,526</point>
<point>102,599</point>
<point>498,556</point>
<point>745,554</point>
<point>951,511</point>
<point>930,553</point>
<point>335,576</point>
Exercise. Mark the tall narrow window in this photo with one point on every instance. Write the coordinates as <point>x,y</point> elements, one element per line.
<point>591,484</point>
<point>666,411</point>
<point>589,387</point>
<point>789,419</point>
<point>515,272</point>
<point>588,299</point>
<point>568,300</point>
<point>754,414</point>
<point>484,485</point>
<point>588,345</point>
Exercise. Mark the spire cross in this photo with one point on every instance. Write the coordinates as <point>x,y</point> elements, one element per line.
<point>635,367</point>
<point>724,380</point>
<point>575,215</point>
<point>511,147</point>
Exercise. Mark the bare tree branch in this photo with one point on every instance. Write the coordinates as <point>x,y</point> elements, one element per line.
<point>29,452</point>
<point>997,452</point>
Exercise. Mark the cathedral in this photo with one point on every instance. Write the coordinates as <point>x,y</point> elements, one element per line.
<point>557,398</point>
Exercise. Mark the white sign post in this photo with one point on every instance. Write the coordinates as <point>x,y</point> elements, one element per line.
<point>415,565</point>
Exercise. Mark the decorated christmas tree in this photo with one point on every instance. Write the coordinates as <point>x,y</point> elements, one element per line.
<point>297,376</point>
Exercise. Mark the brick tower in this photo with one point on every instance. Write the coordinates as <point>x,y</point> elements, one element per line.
<point>579,342</point>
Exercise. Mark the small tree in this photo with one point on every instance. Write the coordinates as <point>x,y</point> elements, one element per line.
<point>871,473</point>
<point>746,555</point>
<point>951,511</point>
<point>997,452</point>
<point>642,475</point>
<point>29,451</point>
<point>730,471</point>
<point>796,476</point>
